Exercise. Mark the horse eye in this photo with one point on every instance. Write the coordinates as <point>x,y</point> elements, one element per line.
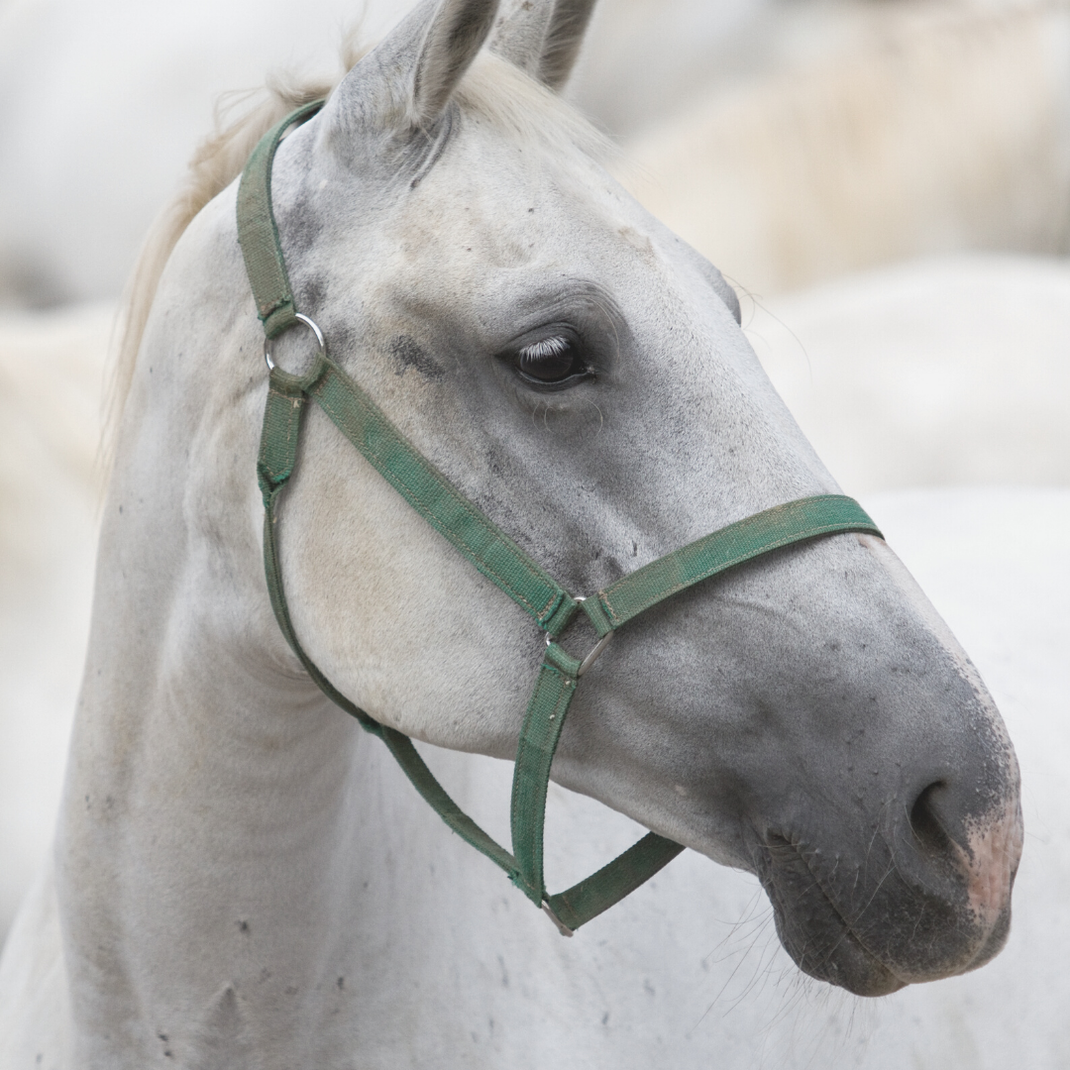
<point>552,360</point>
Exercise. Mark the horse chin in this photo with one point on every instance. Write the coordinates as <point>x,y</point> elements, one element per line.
<point>825,945</point>
<point>840,959</point>
<point>814,932</point>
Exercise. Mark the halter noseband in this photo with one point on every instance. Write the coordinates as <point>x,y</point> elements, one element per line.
<point>495,555</point>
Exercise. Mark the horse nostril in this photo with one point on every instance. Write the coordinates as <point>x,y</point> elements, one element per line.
<point>927,827</point>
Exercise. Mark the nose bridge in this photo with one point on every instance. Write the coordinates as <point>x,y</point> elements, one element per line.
<point>905,684</point>
<point>937,824</point>
<point>881,714</point>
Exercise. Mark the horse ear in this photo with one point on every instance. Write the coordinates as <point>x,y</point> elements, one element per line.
<point>454,36</point>
<point>408,77</point>
<point>543,39</point>
<point>563,39</point>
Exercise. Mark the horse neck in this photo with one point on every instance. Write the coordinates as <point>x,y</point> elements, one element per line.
<point>209,780</point>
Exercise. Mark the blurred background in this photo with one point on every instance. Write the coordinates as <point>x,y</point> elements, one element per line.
<point>885,182</point>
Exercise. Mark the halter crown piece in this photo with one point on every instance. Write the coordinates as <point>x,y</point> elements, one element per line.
<point>495,555</point>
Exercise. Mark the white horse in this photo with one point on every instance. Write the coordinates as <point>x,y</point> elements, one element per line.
<point>946,127</point>
<point>234,883</point>
<point>935,373</point>
<point>856,362</point>
<point>942,372</point>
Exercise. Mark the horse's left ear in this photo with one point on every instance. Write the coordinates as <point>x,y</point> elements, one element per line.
<point>406,81</point>
<point>543,38</point>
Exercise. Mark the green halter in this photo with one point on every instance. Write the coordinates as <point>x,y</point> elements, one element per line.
<point>495,555</point>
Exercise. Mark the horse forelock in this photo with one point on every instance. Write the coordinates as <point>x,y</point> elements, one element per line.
<point>494,89</point>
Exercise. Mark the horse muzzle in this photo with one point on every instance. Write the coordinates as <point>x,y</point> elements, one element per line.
<point>916,903</point>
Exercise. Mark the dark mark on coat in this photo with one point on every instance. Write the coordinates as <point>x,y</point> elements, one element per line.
<point>407,352</point>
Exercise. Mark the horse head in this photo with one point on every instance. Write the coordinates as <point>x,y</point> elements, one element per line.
<point>580,374</point>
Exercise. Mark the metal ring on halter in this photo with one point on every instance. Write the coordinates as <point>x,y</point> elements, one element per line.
<point>311,325</point>
<point>592,657</point>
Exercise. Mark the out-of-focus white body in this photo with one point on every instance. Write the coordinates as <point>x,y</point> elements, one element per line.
<point>51,375</point>
<point>941,128</point>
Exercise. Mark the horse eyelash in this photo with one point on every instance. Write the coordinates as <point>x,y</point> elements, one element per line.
<point>545,347</point>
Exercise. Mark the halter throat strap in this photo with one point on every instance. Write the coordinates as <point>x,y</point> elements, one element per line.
<point>496,556</point>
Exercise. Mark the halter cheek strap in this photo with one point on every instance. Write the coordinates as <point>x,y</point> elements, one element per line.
<point>495,555</point>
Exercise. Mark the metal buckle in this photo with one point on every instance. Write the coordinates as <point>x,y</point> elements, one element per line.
<point>592,657</point>
<point>311,325</point>
<point>562,928</point>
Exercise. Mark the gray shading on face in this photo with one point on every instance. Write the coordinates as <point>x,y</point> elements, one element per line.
<point>408,353</point>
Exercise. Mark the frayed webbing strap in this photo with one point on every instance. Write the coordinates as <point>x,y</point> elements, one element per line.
<point>735,544</point>
<point>444,508</point>
<point>554,689</point>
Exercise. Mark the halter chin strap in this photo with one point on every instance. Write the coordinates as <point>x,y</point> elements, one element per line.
<point>497,556</point>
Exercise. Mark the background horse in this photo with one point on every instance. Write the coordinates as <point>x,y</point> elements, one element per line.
<point>940,127</point>
<point>943,372</point>
<point>788,143</point>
